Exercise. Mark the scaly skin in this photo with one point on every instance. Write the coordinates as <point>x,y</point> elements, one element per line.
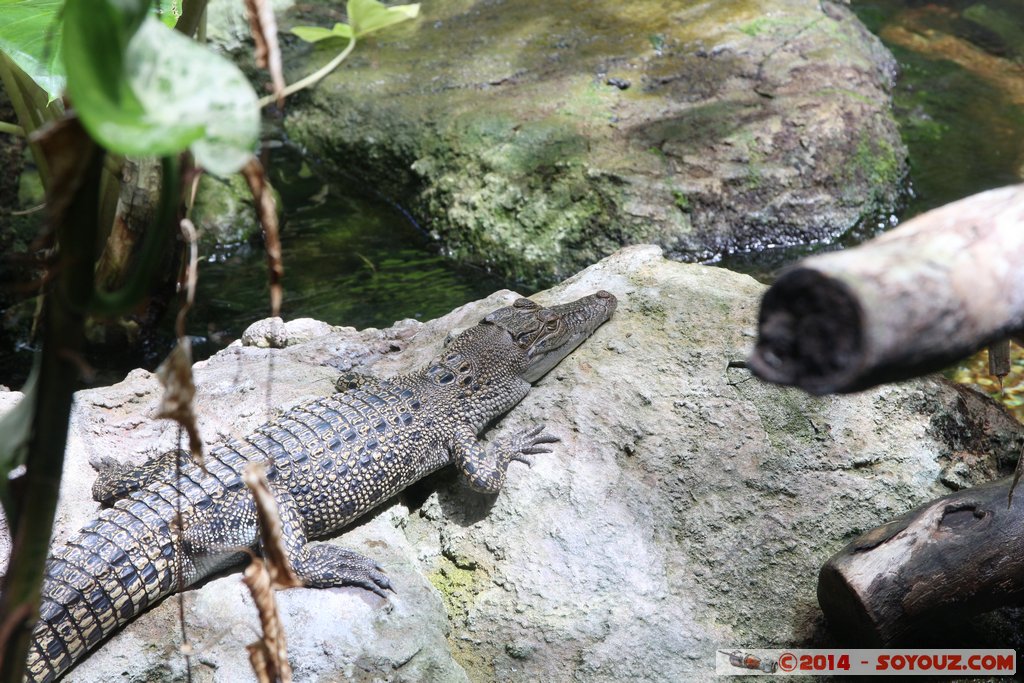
<point>330,461</point>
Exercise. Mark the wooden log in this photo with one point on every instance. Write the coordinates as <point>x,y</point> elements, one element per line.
<point>913,300</point>
<point>954,557</point>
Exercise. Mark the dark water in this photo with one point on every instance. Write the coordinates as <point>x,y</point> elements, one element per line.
<point>960,97</point>
<point>350,258</point>
<point>959,102</point>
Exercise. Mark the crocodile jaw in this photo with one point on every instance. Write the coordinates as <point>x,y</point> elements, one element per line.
<point>580,318</point>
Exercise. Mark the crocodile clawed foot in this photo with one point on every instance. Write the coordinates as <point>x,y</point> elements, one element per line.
<point>483,470</point>
<point>368,574</point>
<point>531,441</point>
<point>521,445</point>
<point>323,565</point>
<point>372,580</point>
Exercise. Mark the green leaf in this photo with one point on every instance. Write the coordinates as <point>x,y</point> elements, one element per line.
<point>314,34</point>
<point>167,11</point>
<point>96,40</point>
<point>367,16</point>
<point>179,80</point>
<point>342,30</point>
<point>30,34</point>
<point>153,91</point>
<point>15,431</point>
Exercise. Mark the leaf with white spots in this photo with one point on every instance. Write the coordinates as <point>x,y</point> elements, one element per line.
<point>142,88</point>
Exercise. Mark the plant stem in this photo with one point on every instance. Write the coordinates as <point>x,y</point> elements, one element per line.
<point>191,16</point>
<point>76,186</point>
<point>315,77</point>
<point>12,129</point>
<point>129,295</point>
<point>31,107</point>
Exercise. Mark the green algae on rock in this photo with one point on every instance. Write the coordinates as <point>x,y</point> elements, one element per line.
<point>533,140</point>
<point>224,211</point>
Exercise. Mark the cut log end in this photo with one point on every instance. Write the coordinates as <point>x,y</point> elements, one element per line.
<point>908,302</point>
<point>923,575</point>
<point>843,606</point>
<point>810,333</point>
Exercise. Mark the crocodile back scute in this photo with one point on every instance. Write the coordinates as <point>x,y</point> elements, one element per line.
<point>339,456</point>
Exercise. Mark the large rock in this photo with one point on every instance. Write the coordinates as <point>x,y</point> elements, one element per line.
<point>534,139</point>
<point>687,508</point>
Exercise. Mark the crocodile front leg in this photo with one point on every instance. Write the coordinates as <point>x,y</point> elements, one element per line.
<point>484,468</point>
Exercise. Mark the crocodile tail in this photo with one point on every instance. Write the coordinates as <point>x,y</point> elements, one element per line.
<point>111,570</point>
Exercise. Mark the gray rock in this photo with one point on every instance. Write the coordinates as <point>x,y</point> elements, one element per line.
<point>274,333</point>
<point>687,508</point>
<point>503,126</point>
<point>267,333</point>
<point>301,330</point>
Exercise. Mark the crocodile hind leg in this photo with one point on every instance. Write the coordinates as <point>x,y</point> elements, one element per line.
<point>484,468</point>
<point>115,481</point>
<point>322,565</point>
<point>213,539</point>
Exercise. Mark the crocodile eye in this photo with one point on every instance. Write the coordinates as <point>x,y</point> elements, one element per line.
<point>523,340</point>
<point>552,326</point>
<point>524,304</point>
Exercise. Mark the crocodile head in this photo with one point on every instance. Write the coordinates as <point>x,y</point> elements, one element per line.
<point>543,336</point>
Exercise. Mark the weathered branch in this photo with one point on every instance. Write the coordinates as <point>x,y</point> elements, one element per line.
<point>913,300</point>
<point>959,555</point>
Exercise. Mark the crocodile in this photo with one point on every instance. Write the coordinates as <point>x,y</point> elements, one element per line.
<point>329,461</point>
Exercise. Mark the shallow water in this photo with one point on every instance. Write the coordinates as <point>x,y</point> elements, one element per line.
<point>350,258</point>
<point>960,98</point>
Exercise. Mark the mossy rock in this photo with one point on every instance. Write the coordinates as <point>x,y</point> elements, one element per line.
<point>224,212</point>
<point>534,139</point>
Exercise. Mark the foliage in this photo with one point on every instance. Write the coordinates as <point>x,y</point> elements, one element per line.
<point>142,88</point>
<point>30,37</point>
<point>365,17</point>
<point>124,74</point>
<point>1007,390</point>
<point>139,87</point>
<point>314,34</point>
